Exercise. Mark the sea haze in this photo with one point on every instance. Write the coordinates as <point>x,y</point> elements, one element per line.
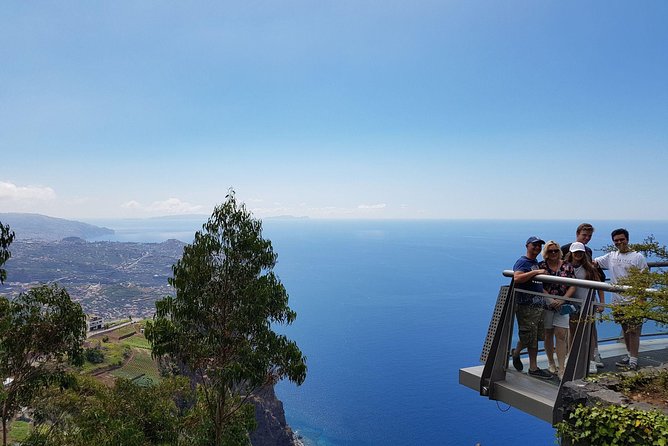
<point>388,311</point>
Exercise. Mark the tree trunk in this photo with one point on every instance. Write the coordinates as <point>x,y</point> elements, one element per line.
<point>4,431</point>
<point>220,413</point>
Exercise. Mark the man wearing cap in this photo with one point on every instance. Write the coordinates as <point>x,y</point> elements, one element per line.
<point>528,312</point>
<point>618,263</point>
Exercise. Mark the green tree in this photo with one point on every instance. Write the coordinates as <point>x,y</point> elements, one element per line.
<point>6,239</point>
<point>40,332</point>
<point>649,288</point>
<point>87,412</point>
<point>219,324</point>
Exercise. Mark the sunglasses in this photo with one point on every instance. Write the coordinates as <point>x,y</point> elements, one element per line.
<point>552,251</point>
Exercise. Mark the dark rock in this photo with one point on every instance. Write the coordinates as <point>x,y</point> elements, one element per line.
<point>272,429</point>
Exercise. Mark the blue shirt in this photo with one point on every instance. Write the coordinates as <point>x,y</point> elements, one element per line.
<point>525,264</point>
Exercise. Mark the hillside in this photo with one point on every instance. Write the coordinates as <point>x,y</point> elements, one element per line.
<point>41,227</point>
<point>111,279</point>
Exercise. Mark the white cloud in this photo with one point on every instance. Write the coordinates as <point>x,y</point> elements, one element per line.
<point>170,206</point>
<point>132,204</point>
<point>372,206</point>
<point>10,191</point>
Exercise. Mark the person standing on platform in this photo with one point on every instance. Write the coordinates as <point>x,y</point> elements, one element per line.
<point>618,263</point>
<point>529,308</point>
<point>584,269</point>
<point>583,235</point>
<point>556,320</point>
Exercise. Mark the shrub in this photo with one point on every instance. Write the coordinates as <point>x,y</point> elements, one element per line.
<point>614,425</point>
<point>94,355</point>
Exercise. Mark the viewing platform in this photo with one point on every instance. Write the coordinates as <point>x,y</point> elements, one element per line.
<point>498,380</point>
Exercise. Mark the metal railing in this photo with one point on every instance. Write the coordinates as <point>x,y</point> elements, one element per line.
<point>496,351</point>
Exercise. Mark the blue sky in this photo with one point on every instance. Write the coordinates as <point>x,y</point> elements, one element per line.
<point>335,109</point>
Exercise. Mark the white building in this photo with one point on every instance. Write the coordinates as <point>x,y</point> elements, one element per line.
<point>95,322</point>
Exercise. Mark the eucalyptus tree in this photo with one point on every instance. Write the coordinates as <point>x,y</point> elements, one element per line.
<point>6,239</point>
<point>41,331</point>
<point>219,325</point>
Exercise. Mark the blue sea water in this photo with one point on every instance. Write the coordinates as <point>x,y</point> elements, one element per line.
<point>388,311</point>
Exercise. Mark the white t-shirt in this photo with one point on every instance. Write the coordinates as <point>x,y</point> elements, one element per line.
<point>618,264</point>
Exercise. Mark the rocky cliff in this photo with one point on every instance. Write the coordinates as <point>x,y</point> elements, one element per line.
<point>272,429</point>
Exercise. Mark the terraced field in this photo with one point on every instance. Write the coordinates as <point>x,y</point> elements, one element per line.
<point>125,356</point>
<point>140,368</point>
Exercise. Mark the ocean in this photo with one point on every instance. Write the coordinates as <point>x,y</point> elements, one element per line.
<point>388,312</point>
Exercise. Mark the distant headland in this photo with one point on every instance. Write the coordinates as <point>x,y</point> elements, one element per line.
<point>42,227</point>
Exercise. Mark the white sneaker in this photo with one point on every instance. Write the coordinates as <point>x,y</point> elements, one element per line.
<point>592,367</point>
<point>552,368</point>
<point>598,361</point>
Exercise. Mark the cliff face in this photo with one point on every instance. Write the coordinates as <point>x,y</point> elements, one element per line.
<point>272,430</point>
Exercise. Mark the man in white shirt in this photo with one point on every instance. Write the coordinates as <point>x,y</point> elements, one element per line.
<point>618,264</point>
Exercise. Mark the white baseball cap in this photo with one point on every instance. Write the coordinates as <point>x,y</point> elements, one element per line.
<point>577,246</point>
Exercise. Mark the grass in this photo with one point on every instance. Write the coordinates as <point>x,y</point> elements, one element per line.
<point>117,322</point>
<point>137,341</point>
<point>113,353</point>
<point>19,431</point>
<point>125,330</point>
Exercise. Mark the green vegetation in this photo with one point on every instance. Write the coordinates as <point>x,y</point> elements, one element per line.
<point>614,425</point>
<point>140,364</point>
<point>651,385</point>
<point>94,355</point>
<point>218,329</point>
<point>113,324</point>
<point>19,431</point>
<point>647,304</point>
<point>115,352</point>
<point>6,239</point>
<point>621,425</point>
<point>113,355</point>
<point>90,413</point>
<point>137,341</point>
<point>219,324</point>
<point>43,323</point>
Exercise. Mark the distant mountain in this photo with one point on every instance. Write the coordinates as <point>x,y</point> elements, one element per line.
<point>41,227</point>
<point>286,217</point>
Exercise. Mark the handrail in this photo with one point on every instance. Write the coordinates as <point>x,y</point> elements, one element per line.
<point>583,282</point>
<point>574,282</point>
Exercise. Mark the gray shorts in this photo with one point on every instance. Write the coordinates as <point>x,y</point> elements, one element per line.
<point>553,319</point>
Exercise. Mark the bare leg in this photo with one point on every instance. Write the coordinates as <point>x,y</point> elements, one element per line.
<point>572,326</point>
<point>533,354</point>
<point>549,345</point>
<point>632,339</point>
<point>594,341</point>
<point>562,347</point>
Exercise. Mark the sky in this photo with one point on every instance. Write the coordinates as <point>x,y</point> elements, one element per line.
<point>335,109</point>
